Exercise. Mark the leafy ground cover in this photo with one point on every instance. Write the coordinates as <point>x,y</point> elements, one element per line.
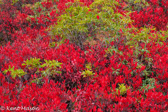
<point>84,55</point>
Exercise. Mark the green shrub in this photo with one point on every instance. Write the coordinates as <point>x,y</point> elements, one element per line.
<point>14,72</point>
<point>122,89</point>
<point>148,84</point>
<point>75,24</point>
<point>88,72</point>
<point>33,66</point>
<point>135,5</point>
<point>79,22</point>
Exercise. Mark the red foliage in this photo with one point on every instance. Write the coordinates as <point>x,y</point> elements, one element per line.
<point>156,14</point>
<point>70,91</point>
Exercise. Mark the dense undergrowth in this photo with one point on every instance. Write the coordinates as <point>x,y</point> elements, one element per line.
<point>84,55</point>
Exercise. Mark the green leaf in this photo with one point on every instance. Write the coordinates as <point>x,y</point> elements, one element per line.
<point>43,65</point>
<point>59,72</point>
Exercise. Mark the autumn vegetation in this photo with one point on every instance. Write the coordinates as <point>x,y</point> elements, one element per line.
<point>84,55</point>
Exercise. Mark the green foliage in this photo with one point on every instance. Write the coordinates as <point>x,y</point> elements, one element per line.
<point>49,68</point>
<point>104,5</point>
<point>110,19</point>
<point>146,64</point>
<point>37,80</point>
<point>77,21</point>
<point>147,84</point>
<point>88,72</point>
<point>32,63</point>
<point>14,72</point>
<point>14,1</point>
<point>163,35</point>
<point>135,36</point>
<point>122,88</point>
<point>116,71</point>
<point>52,44</point>
<point>112,49</point>
<point>1,2</point>
<point>75,24</point>
<point>138,4</point>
